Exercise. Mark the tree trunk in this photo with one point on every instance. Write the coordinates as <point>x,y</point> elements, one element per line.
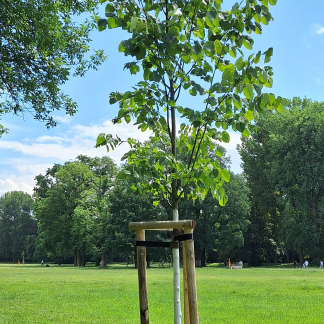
<point>301,255</point>
<point>176,278</point>
<point>315,224</point>
<point>203,257</point>
<point>103,260</point>
<point>78,257</point>
<point>197,255</point>
<point>97,262</point>
<point>287,254</point>
<point>75,263</point>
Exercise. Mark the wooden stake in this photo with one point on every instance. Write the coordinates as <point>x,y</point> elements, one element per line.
<point>141,265</point>
<point>185,286</point>
<point>191,276</point>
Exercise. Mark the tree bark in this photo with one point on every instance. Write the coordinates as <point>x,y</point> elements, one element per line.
<point>141,262</point>
<point>301,255</point>
<point>203,257</point>
<point>103,260</point>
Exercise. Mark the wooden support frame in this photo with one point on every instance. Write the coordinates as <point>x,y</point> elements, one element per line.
<point>189,271</point>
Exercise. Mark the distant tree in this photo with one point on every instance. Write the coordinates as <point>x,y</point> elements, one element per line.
<point>42,46</point>
<point>64,212</point>
<point>185,48</point>
<point>220,229</point>
<point>126,206</point>
<point>18,228</point>
<point>104,170</point>
<point>294,167</point>
<point>263,242</point>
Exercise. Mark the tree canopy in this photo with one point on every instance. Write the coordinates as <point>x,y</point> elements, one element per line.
<point>284,166</point>
<point>18,229</point>
<point>41,47</point>
<point>189,48</point>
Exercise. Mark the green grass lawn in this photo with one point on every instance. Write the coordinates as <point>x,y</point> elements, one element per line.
<point>35,294</point>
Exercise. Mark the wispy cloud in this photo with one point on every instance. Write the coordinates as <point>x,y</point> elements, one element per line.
<point>35,155</point>
<point>66,119</point>
<point>319,29</point>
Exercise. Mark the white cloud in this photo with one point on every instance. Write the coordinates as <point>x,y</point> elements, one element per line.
<point>13,184</point>
<point>319,29</point>
<point>21,178</point>
<point>79,140</point>
<point>66,119</point>
<point>36,155</point>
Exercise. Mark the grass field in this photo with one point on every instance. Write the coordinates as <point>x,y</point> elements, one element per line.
<point>35,294</point>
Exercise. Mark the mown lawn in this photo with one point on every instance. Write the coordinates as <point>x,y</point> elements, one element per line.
<point>35,294</point>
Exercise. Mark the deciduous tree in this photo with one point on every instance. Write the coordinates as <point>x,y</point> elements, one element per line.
<point>18,228</point>
<point>188,48</point>
<point>42,46</point>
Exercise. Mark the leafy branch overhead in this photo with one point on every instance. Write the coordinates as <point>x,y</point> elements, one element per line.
<point>41,48</point>
<point>190,48</point>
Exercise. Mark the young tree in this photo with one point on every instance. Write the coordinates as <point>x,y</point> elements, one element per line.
<point>41,46</point>
<point>183,48</point>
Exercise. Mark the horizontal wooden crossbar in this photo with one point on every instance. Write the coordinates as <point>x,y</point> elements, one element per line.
<point>162,225</point>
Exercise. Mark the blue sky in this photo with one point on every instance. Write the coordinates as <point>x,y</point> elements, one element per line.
<point>296,34</point>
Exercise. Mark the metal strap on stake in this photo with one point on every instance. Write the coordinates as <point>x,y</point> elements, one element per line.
<point>172,245</point>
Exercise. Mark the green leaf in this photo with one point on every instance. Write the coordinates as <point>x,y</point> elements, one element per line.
<point>155,76</point>
<point>156,203</point>
<point>225,137</point>
<point>257,88</point>
<point>232,52</point>
<point>264,100</point>
<point>209,48</point>
<point>228,74</point>
<point>133,23</point>
<point>134,69</point>
<point>121,47</point>
<point>248,91</point>
<point>218,47</point>
<point>102,24</point>
<point>147,74</point>
<point>112,23</point>
<point>263,76</point>
<point>109,8</point>
<point>268,55</point>
<point>247,44</point>
<point>257,58</point>
<point>246,133</point>
<point>223,200</point>
<point>249,115</point>
<point>101,139</point>
<point>239,63</point>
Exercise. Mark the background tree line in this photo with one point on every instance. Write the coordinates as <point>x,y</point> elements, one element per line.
<point>80,210</point>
